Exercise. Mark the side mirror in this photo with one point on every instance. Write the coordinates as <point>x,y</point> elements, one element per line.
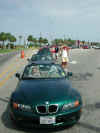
<point>69,74</point>
<point>17,75</point>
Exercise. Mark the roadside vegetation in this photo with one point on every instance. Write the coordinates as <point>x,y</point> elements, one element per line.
<point>8,42</point>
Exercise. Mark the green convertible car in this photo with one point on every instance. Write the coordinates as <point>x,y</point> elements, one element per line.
<point>44,97</point>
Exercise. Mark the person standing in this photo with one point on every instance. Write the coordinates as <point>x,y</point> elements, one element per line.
<point>56,51</point>
<point>65,58</point>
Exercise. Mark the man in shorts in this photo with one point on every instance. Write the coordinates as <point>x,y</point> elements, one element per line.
<point>65,58</point>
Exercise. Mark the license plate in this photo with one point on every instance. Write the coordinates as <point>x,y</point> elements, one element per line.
<point>47,120</point>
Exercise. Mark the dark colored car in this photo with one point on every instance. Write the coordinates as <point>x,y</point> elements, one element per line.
<point>44,51</point>
<point>42,57</point>
<point>44,97</point>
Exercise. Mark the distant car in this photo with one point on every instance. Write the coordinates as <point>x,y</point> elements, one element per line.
<point>52,49</point>
<point>44,97</point>
<point>85,47</point>
<point>97,47</point>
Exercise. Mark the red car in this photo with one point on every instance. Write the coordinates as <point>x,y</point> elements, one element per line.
<point>85,47</point>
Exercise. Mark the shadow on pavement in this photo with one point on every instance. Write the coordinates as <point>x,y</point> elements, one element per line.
<point>92,107</point>
<point>4,100</point>
<point>98,68</point>
<point>88,126</point>
<point>8,123</point>
<point>81,76</point>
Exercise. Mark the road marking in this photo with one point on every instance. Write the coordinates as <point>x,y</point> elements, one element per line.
<point>9,75</point>
<point>8,68</point>
<point>73,62</point>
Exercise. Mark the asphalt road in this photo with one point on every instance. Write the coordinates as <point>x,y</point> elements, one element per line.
<point>6,57</point>
<point>85,65</point>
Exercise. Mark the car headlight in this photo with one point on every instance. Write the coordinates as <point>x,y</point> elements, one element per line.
<point>70,105</point>
<point>22,107</point>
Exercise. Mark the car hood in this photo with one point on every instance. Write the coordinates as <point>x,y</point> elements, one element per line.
<point>39,91</point>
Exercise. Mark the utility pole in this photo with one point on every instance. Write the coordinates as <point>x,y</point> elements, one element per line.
<point>40,38</point>
<point>24,42</point>
<point>64,38</point>
<point>40,34</point>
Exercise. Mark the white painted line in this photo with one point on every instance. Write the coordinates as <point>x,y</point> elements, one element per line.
<point>73,62</point>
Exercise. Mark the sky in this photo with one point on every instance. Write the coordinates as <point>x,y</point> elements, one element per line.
<point>75,19</point>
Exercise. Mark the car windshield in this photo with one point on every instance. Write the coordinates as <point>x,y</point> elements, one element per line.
<point>44,51</point>
<point>41,57</point>
<point>43,71</point>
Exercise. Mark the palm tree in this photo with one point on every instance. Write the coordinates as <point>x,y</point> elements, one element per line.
<point>3,38</point>
<point>30,38</point>
<point>11,40</point>
<point>45,40</point>
<point>35,40</point>
<point>8,35</point>
<point>40,40</point>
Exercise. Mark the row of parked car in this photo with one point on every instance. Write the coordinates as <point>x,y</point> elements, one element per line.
<point>44,97</point>
<point>86,46</point>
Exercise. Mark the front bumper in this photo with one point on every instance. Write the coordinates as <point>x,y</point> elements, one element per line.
<point>62,119</point>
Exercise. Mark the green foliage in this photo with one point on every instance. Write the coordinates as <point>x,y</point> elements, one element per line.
<point>40,40</point>
<point>30,38</point>
<point>33,41</point>
<point>7,37</point>
<point>60,41</point>
<point>3,36</point>
<point>83,42</point>
<point>30,45</point>
<point>45,41</point>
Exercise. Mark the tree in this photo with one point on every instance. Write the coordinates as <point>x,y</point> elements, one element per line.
<point>8,35</point>
<point>58,41</point>
<point>40,40</point>
<point>3,38</point>
<point>34,40</point>
<point>30,38</point>
<point>55,41</point>
<point>45,40</point>
<point>11,39</point>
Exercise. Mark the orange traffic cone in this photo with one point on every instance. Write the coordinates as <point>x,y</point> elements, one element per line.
<point>22,54</point>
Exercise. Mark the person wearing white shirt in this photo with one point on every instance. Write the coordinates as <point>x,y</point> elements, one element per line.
<point>65,58</point>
